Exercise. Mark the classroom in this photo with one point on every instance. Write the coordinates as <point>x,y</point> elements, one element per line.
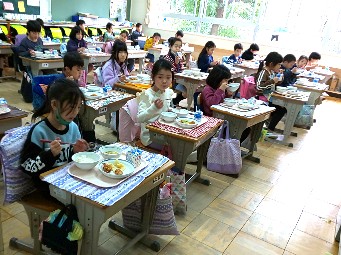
<point>170,127</point>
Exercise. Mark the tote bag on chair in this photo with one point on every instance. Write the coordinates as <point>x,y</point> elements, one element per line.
<point>224,154</point>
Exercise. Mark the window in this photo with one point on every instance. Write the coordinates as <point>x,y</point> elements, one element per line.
<point>298,24</point>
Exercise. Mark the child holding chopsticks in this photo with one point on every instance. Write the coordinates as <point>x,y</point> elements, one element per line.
<point>52,141</point>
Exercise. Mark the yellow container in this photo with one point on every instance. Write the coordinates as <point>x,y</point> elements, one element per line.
<point>56,33</point>
<point>20,29</point>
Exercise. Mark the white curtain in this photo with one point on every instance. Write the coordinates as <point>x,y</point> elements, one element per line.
<point>148,13</point>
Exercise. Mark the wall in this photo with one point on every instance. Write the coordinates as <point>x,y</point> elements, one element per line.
<point>64,9</point>
<point>138,12</point>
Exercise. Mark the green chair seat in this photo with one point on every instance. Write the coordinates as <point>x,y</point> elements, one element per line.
<point>56,32</point>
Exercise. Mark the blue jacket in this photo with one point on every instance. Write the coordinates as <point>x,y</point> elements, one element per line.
<point>73,45</point>
<point>204,62</point>
<point>289,78</point>
<point>232,59</point>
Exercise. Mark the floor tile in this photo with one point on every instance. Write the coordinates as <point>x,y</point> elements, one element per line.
<point>227,213</point>
<point>182,221</point>
<point>262,173</point>
<point>211,232</point>
<point>253,184</point>
<point>184,245</point>
<point>241,197</point>
<point>13,208</point>
<point>245,244</point>
<point>317,226</point>
<point>198,199</point>
<point>301,243</point>
<point>321,208</point>
<point>22,217</point>
<point>4,215</point>
<point>268,230</point>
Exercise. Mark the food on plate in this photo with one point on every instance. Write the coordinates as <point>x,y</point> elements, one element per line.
<point>133,78</point>
<point>93,95</point>
<point>115,167</point>
<point>186,121</point>
<point>111,152</point>
<point>84,159</point>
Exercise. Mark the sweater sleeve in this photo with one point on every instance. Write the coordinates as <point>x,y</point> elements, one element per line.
<point>147,109</point>
<point>149,44</point>
<point>72,45</point>
<point>24,49</point>
<point>263,82</point>
<point>211,97</point>
<point>109,75</point>
<point>204,63</point>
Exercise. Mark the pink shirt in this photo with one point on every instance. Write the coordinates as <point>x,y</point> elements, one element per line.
<point>211,96</point>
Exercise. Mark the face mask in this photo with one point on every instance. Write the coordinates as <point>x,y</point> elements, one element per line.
<point>61,120</point>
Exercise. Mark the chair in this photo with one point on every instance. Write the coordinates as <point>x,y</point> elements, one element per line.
<point>92,31</point>
<point>197,101</point>
<point>19,187</point>
<point>56,33</point>
<point>128,128</point>
<point>18,39</point>
<point>67,31</point>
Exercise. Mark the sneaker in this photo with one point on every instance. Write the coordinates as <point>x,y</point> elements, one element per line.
<point>272,135</point>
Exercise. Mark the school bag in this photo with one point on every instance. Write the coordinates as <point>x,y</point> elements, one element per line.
<point>26,86</point>
<point>61,231</point>
<point>248,87</point>
<point>305,117</point>
<point>107,47</point>
<point>98,78</point>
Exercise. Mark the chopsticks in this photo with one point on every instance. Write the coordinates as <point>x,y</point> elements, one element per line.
<point>49,141</point>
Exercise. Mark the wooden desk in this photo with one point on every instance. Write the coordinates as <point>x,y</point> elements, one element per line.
<point>326,73</point>
<point>12,119</point>
<point>315,92</point>
<point>182,146</point>
<point>94,58</point>
<point>6,49</point>
<point>140,54</point>
<point>42,64</point>
<point>128,88</point>
<point>249,67</point>
<point>238,122</point>
<point>92,215</point>
<point>293,106</point>
<point>95,44</point>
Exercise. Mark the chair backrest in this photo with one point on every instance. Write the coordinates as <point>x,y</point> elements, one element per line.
<point>18,65</point>
<point>197,101</point>
<point>19,38</point>
<point>128,128</point>
<point>17,183</point>
<point>107,47</point>
<point>248,87</point>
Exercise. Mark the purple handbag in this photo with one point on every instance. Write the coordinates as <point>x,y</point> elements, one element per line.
<point>224,155</point>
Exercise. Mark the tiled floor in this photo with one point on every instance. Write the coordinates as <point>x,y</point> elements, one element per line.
<point>287,204</point>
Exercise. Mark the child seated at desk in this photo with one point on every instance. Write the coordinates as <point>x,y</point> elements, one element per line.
<point>108,35</point>
<point>301,62</point>
<point>236,56</point>
<point>32,42</point>
<point>150,43</point>
<point>157,99</point>
<point>205,59</point>
<point>115,69</point>
<point>266,81</point>
<point>174,58</point>
<point>288,70</point>
<point>313,60</point>
<point>250,52</point>
<point>76,42</point>
<point>136,34</point>
<point>64,99</point>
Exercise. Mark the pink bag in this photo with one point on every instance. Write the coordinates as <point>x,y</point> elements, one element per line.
<point>224,155</point>
<point>82,79</point>
<point>129,129</point>
<point>248,87</point>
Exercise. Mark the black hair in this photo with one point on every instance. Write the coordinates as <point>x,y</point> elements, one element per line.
<point>209,44</point>
<point>138,24</point>
<point>179,33</point>
<point>289,58</point>
<point>64,91</point>
<point>72,59</point>
<point>108,26</point>
<point>302,57</point>
<point>217,74</point>
<point>116,48</point>
<point>80,22</point>
<point>273,58</point>
<point>41,22</point>
<point>254,47</point>
<point>33,26</point>
<point>314,55</point>
<point>75,30</point>
<point>238,46</point>
<point>162,64</point>
<point>173,40</point>
<point>156,34</point>
<point>124,32</point>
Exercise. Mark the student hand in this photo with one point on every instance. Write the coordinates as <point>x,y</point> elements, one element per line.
<point>158,103</point>
<point>82,49</point>
<point>276,79</point>
<point>123,78</point>
<point>294,70</point>
<point>177,60</point>
<point>223,86</point>
<point>80,145</point>
<point>70,78</point>
<point>32,53</point>
<point>55,147</point>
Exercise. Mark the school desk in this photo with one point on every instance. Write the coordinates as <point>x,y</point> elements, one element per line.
<point>5,49</point>
<point>38,64</point>
<point>137,54</point>
<point>315,91</point>
<point>52,45</point>
<point>92,215</point>
<point>11,119</point>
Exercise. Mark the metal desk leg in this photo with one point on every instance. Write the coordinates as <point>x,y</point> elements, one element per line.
<point>256,132</point>
<point>202,149</point>
<point>141,64</point>
<point>86,64</point>
<point>149,204</point>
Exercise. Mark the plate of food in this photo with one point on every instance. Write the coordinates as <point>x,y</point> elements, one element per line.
<point>93,88</point>
<point>186,122</point>
<point>116,168</point>
<point>4,110</point>
<point>133,79</point>
<point>92,95</point>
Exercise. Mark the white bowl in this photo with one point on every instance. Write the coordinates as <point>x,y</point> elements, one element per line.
<point>38,53</point>
<point>233,87</point>
<point>292,88</point>
<point>93,88</point>
<point>127,168</point>
<point>86,160</point>
<point>230,101</point>
<point>181,112</point>
<point>110,151</point>
<point>47,52</point>
<point>196,69</point>
<point>143,76</point>
<point>187,72</point>
<point>168,116</point>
